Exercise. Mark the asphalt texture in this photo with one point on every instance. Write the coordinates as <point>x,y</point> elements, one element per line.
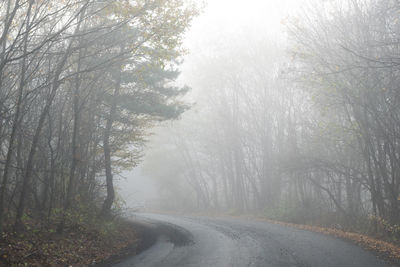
<point>202,242</point>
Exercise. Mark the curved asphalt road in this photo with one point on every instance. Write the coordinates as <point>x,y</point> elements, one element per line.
<point>235,242</point>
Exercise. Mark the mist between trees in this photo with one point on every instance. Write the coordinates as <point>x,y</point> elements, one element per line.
<point>80,82</point>
<point>305,131</point>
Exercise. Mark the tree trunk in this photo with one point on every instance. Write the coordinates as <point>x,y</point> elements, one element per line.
<point>106,209</point>
<point>16,121</point>
<point>75,151</point>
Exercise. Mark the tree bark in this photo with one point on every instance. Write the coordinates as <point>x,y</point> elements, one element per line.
<point>16,121</point>
<point>107,204</point>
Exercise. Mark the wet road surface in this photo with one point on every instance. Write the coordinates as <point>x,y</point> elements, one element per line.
<point>203,242</point>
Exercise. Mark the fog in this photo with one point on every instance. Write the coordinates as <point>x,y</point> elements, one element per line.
<point>292,116</point>
<point>220,23</point>
<point>287,110</point>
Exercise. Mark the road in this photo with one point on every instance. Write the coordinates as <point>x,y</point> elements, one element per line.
<point>202,242</point>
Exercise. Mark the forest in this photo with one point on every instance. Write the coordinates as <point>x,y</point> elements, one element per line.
<point>304,130</point>
<point>298,123</point>
<point>80,82</point>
